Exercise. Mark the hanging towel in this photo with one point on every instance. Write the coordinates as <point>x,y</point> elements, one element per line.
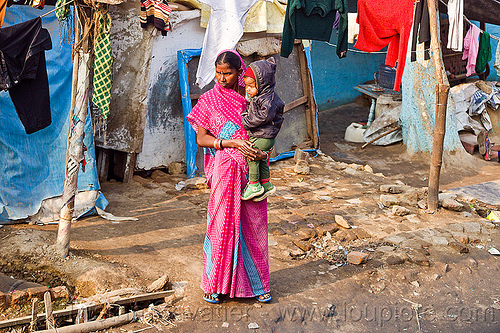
<point>484,53</point>
<point>497,59</point>
<point>383,23</point>
<point>103,61</point>
<point>422,28</point>
<point>471,47</point>
<point>456,25</point>
<point>23,51</point>
<point>224,30</point>
<point>156,12</point>
<point>314,20</point>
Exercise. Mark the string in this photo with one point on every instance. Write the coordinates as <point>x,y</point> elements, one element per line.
<point>53,10</point>
<point>465,17</point>
<point>358,51</point>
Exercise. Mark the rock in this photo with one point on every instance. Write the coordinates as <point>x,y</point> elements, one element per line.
<point>177,168</point>
<point>253,326</point>
<point>272,243</point>
<point>277,232</point>
<point>386,249</point>
<point>196,183</point>
<point>389,200</point>
<point>345,235</point>
<point>296,253</point>
<point>304,246</point>
<point>461,248</point>
<point>37,292</point>
<point>435,276</point>
<point>158,284</point>
<point>323,229</point>
<point>4,301</point>
<point>225,324</point>
<point>378,286</point>
<point>393,188</point>
<point>357,258</point>
<point>472,262</point>
<point>140,180</point>
<point>415,283</point>
<point>361,233</point>
<point>422,204</point>
<point>59,292</point>
<point>394,239</point>
<point>409,198</point>
<point>442,267</point>
<point>305,233</point>
<point>341,221</point>
<point>418,258</point>
<point>461,237</point>
<point>466,214</point>
<point>400,211</point>
<point>442,196</point>
<point>98,279</point>
<point>301,167</point>
<point>451,204</point>
<point>160,176</point>
<point>472,227</point>
<point>395,260</point>
<point>151,186</point>
<point>301,155</point>
<point>413,218</point>
<point>368,168</point>
<point>439,240</point>
<point>350,171</point>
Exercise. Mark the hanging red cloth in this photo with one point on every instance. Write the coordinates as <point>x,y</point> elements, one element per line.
<point>382,23</point>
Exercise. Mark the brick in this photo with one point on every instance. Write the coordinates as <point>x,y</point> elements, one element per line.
<point>19,296</point>
<point>357,258</point>
<point>4,300</point>
<point>461,248</point>
<point>59,292</point>
<point>37,292</point>
<point>304,246</point>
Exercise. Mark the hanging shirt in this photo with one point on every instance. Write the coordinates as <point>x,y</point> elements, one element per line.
<point>471,47</point>
<point>22,47</point>
<point>313,19</point>
<point>421,29</point>
<point>497,59</point>
<point>382,23</point>
<point>484,53</point>
<point>156,12</point>
<point>224,30</point>
<point>456,25</point>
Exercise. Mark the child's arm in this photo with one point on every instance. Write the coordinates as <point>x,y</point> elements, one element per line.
<point>261,114</point>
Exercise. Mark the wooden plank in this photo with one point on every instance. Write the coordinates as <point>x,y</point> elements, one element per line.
<point>303,75</point>
<point>295,103</point>
<point>129,167</point>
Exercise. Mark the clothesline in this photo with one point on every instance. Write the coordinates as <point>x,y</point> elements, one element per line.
<point>53,10</point>
<point>358,51</point>
<point>465,17</point>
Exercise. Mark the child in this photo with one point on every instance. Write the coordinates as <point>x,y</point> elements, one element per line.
<point>262,120</point>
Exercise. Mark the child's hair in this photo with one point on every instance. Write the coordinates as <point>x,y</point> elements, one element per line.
<point>229,58</point>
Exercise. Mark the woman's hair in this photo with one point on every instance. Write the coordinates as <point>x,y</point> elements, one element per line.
<point>230,59</point>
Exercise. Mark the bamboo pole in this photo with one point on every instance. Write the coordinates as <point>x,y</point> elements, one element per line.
<point>442,90</point>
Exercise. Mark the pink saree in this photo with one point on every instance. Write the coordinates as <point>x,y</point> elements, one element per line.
<point>235,252</point>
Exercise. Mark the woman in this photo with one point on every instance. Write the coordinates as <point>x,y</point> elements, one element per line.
<point>235,253</point>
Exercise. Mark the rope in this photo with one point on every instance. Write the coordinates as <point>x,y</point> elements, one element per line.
<point>358,51</point>
<point>53,10</point>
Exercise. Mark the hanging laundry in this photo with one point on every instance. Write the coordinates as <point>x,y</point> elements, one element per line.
<point>3,8</point>
<point>352,27</point>
<point>156,12</point>
<point>497,59</point>
<point>314,20</point>
<point>103,61</point>
<point>471,47</point>
<point>422,28</point>
<point>38,4</point>
<point>383,23</point>
<point>484,53</point>
<point>22,47</point>
<point>224,30</point>
<point>62,10</point>
<point>456,25</point>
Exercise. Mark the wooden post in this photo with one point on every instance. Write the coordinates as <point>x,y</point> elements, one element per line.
<point>49,317</point>
<point>34,315</point>
<point>442,90</point>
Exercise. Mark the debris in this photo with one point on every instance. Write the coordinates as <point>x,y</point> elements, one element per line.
<point>302,245</point>
<point>494,216</point>
<point>277,231</point>
<point>253,326</point>
<point>389,200</point>
<point>180,185</point>
<point>422,204</point>
<point>394,260</point>
<point>400,211</point>
<point>158,285</point>
<point>194,183</point>
<point>112,218</point>
<point>340,220</point>
<point>451,204</point>
<point>301,167</point>
<point>394,189</point>
<point>354,201</point>
<point>415,283</point>
<point>494,251</point>
<point>357,258</point>
<point>378,286</point>
<point>305,233</point>
<point>225,324</point>
<point>368,168</point>
<point>272,243</point>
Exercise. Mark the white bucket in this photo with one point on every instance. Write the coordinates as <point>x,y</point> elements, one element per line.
<point>354,133</point>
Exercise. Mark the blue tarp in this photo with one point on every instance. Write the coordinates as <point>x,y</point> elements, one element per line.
<point>32,166</point>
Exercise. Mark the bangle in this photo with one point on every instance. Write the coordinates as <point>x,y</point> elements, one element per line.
<point>220,144</point>
<point>215,143</point>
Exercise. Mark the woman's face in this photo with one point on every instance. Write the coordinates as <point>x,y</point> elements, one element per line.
<point>226,76</point>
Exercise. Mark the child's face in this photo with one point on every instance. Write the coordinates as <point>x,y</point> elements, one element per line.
<point>226,76</point>
<point>251,87</point>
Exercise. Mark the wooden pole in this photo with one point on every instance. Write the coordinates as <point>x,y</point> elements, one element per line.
<point>442,90</point>
<point>49,318</point>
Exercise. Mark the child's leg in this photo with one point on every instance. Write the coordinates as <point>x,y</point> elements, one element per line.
<point>253,171</point>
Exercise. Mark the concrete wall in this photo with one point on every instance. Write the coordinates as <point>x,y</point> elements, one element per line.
<point>335,78</point>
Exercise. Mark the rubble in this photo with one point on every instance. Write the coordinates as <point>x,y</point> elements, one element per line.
<point>357,258</point>
<point>400,210</point>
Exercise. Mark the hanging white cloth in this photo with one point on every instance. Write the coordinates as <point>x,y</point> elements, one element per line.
<point>456,25</point>
<point>497,59</point>
<point>224,30</point>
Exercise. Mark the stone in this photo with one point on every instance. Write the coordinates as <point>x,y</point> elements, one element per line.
<point>305,233</point>
<point>361,233</point>
<point>442,267</point>
<point>415,283</point>
<point>393,188</point>
<point>140,180</point>
<point>158,284</point>
<point>472,262</point>
<point>253,326</point>
<point>394,239</point>
<point>4,300</point>
<point>332,228</point>
<point>304,246</point>
<point>466,214</point>
<point>345,235</point>
<point>368,168</point>
<point>451,204</point>
<point>442,196</point>
<point>386,249</point>
<point>196,183</point>
<point>439,240</point>
<point>160,176</point>
<point>400,211</point>
<point>177,168</point>
<point>351,171</point>
<point>422,204</point>
<point>341,221</point>
<point>19,296</point>
<point>461,237</point>
<point>458,227</point>
<point>357,167</point>
<point>301,155</point>
<point>435,276</point>
<point>389,200</point>
<point>357,258</point>
<point>59,292</point>
<point>472,227</point>
<point>418,258</point>
<point>461,248</point>
<point>37,292</point>
<point>395,260</point>
<point>296,253</point>
<point>277,232</point>
<point>378,286</point>
<point>413,218</point>
<point>409,198</point>
<point>301,167</point>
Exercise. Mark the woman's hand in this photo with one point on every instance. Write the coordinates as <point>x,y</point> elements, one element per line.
<point>244,146</point>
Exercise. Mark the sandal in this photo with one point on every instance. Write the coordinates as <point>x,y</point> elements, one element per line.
<point>481,141</point>
<point>211,298</point>
<point>264,298</point>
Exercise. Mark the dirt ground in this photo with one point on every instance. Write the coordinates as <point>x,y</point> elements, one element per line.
<point>414,280</point>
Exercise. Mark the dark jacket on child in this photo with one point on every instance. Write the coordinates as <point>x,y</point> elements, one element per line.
<point>264,114</point>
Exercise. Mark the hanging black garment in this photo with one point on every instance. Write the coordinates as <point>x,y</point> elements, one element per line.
<point>421,20</point>
<point>22,50</point>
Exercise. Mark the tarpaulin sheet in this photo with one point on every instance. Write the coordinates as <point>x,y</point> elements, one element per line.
<point>32,166</point>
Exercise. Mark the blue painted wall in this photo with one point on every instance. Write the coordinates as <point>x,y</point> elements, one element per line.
<point>334,78</point>
<point>493,30</point>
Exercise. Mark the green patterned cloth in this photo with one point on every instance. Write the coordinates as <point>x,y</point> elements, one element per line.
<point>103,61</point>
<point>62,11</point>
<point>484,53</point>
